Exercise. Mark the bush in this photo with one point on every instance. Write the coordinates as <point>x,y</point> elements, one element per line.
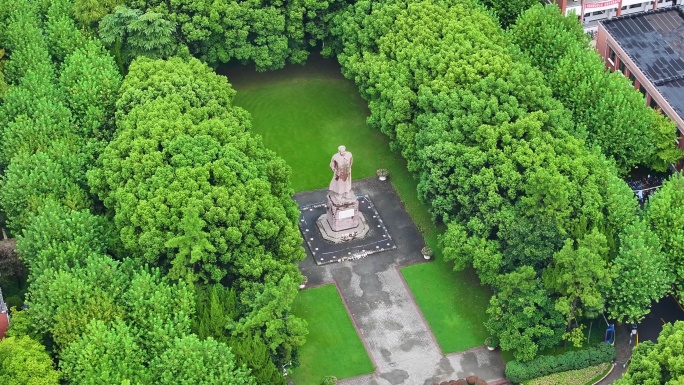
<point>544,365</point>
<point>329,380</point>
<point>14,301</point>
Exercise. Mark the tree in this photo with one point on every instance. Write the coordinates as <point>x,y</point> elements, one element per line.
<point>29,182</point>
<point>557,45</point>
<point>191,361</point>
<point>89,12</point>
<point>62,33</point>
<point>661,363</point>
<point>579,274</point>
<point>105,354</point>
<point>523,315</point>
<point>63,303</point>
<point>665,214</point>
<point>642,274</point>
<point>508,11</point>
<point>131,33</point>
<point>90,81</point>
<point>217,315</point>
<point>191,191</point>
<point>266,33</point>
<point>23,361</point>
<point>58,238</point>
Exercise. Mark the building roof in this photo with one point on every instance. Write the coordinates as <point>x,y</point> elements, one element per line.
<point>655,42</point>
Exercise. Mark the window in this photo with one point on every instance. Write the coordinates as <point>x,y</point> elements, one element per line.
<point>611,55</point>
<point>624,7</point>
<point>642,89</point>
<point>597,13</point>
<point>636,6</point>
<point>631,77</point>
<point>622,67</point>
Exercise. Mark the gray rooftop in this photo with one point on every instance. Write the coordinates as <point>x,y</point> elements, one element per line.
<point>655,42</point>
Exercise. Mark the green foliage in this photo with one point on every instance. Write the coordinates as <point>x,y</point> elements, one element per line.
<point>523,315</point>
<point>557,45</point>
<point>518,372</point>
<point>58,238</point>
<point>217,314</point>
<point>22,37</point>
<point>192,191</point>
<point>62,34</point>
<point>23,361</point>
<point>190,361</point>
<point>329,380</point>
<point>105,354</point>
<point>579,275</point>
<point>508,11</point>
<point>31,181</point>
<point>22,325</point>
<point>89,12</point>
<point>90,81</point>
<point>132,33</point>
<point>112,354</point>
<point>266,33</point>
<point>643,271</point>
<point>500,161</point>
<point>584,376</point>
<point>63,303</point>
<point>661,363</point>
<point>665,214</point>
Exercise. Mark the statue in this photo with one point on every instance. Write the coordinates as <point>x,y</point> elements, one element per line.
<point>341,202</point>
<point>341,164</point>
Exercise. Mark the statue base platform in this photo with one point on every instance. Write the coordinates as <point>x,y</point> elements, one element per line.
<point>327,246</point>
<point>357,232</point>
<point>342,211</point>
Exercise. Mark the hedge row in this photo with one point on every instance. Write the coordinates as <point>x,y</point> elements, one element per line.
<point>544,365</point>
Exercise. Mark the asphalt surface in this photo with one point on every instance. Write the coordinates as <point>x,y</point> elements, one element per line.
<point>390,324</point>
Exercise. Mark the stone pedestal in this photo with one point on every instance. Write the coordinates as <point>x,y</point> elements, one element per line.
<point>342,211</point>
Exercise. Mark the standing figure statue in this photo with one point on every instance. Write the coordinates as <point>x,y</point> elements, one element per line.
<point>341,164</point>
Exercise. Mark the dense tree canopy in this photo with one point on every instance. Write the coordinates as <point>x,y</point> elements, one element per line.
<point>199,233</point>
<point>502,163</point>
<point>23,361</point>
<point>665,214</point>
<point>617,120</point>
<point>192,191</point>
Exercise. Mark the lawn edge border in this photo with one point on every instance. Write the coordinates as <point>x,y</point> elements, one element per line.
<point>420,311</point>
<point>356,327</point>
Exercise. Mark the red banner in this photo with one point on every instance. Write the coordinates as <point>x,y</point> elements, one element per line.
<point>601,4</point>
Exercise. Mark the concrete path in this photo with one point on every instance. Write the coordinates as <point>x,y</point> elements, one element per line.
<point>390,324</point>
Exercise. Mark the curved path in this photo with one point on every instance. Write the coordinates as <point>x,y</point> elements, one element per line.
<point>385,315</point>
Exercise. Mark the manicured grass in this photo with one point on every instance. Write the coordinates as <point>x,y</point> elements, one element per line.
<point>305,116</point>
<point>454,304</point>
<point>303,113</point>
<point>332,346</point>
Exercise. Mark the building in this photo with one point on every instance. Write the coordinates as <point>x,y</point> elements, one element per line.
<point>648,48</point>
<point>589,12</point>
<point>4,317</point>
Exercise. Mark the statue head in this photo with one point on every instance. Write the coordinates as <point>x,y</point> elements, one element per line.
<point>341,149</point>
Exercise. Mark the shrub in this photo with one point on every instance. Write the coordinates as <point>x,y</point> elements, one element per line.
<point>329,380</point>
<point>544,365</point>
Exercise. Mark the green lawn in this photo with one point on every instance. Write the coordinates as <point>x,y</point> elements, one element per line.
<point>303,113</point>
<point>454,304</point>
<point>332,346</point>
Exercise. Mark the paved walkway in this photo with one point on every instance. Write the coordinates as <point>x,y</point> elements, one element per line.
<point>623,350</point>
<point>391,326</point>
